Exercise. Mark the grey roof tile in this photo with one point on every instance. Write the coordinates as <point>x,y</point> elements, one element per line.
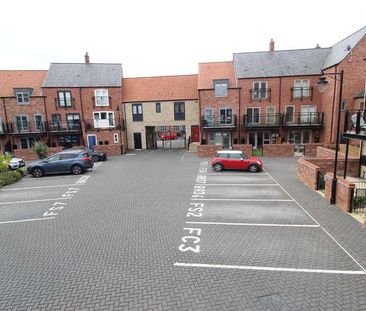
<point>280,63</point>
<point>341,49</point>
<point>83,75</point>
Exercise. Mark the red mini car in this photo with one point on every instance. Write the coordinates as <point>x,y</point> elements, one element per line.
<point>170,136</point>
<point>235,160</point>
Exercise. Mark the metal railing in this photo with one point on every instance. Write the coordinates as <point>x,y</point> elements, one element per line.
<point>25,127</point>
<point>104,124</point>
<point>302,93</point>
<point>268,120</point>
<point>260,94</point>
<point>359,198</point>
<point>304,119</point>
<point>320,185</point>
<point>64,126</point>
<point>354,122</point>
<point>208,122</point>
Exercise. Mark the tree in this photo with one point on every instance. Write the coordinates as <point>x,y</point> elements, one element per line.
<point>40,149</point>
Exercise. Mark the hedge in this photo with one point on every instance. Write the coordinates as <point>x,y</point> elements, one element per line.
<point>10,177</point>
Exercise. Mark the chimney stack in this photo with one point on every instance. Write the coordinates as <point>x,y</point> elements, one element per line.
<point>87,61</point>
<point>271,45</point>
<point>317,46</point>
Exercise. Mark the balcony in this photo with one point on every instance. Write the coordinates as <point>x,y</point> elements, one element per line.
<point>59,127</point>
<point>91,125</point>
<point>301,93</point>
<point>260,94</point>
<point>268,120</point>
<point>304,119</point>
<point>25,127</point>
<point>354,124</point>
<point>217,122</point>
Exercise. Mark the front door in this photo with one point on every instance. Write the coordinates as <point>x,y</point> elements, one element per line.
<point>195,133</point>
<point>137,140</point>
<point>92,141</point>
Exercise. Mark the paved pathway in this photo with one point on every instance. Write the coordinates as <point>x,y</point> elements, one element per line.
<point>161,231</point>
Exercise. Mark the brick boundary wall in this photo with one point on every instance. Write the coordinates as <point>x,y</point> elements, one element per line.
<point>110,150</point>
<point>29,154</point>
<point>323,152</point>
<point>208,150</point>
<point>246,149</point>
<point>311,149</point>
<point>278,150</point>
<point>344,192</point>
<point>307,173</point>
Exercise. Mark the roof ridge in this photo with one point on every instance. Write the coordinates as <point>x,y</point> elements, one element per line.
<point>349,36</point>
<point>274,52</point>
<point>167,76</point>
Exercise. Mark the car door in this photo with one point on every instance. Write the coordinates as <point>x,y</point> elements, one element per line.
<point>51,164</point>
<point>66,161</point>
<point>238,162</point>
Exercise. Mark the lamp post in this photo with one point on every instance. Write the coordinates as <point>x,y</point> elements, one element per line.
<point>322,85</point>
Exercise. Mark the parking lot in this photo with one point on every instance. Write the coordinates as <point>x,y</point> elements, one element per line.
<point>160,230</point>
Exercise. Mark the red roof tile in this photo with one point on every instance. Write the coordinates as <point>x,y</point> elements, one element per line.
<point>159,88</point>
<point>10,79</point>
<point>215,71</point>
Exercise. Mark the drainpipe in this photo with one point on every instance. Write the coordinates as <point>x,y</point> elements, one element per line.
<point>47,128</point>
<point>124,114</point>
<point>120,129</point>
<point>200,116</point>
<point>82,119</point>
<point>239,119</point>
<point>279,107</point>
<point>7,126</point>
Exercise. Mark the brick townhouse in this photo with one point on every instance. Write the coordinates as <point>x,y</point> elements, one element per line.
<point>22,108</point>
<point>219,98</point>
<point>84,102</point>
<point>161,112</point>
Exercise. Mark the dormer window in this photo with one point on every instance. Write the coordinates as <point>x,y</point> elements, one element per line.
<point>220,87</point>
<point>101,97</point>
<point>23,95</point>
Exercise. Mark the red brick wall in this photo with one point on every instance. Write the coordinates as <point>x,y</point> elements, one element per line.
<point>322,152</point>
<point>344,192</point>
<point>278,150</point>
<point>307,173</point>
<point>311,149</point>
<point>246,149</point>
<point>208,150</point>
<point>106,138</point>
<point>29,154</point>
<point>110,150</point>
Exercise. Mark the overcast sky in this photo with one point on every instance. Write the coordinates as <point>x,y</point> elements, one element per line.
<point>165,37</point>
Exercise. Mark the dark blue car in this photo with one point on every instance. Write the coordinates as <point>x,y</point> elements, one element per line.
<point>69,161</point>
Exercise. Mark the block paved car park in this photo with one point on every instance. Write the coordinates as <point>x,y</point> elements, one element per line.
<point>160,230</point>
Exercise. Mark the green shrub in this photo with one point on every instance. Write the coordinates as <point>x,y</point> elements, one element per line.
<point>40,149</point>
<point>10,177</point>
<point>4,162</point>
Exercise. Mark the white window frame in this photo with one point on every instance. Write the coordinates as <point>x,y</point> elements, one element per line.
<point>271,116</point>
<point>35,122</point>
<point>23,98</point>
<point>257,91</point>
<point>293,114</point>
<point>163,128</point>
<point>1,128</point>
<point>101,97</point>
<point>22,129</point>
<point>209,117</point>
<point>103,123</point>
<point>301,88</point>
<point>253,121</point>
<point>308,116</point>
<point>67,101</point>
<point>221,88</point>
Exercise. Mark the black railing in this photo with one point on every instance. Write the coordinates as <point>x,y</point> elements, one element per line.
<point>320,185</point>
<point>25,127</point>
<point>260,94</point>
<point>354,122</point>
<point>64,126</point>
<point>305,119</point>
<point>359,198</point>
<point>3,129</point>
<point>228,122</point>
<point>302,93</point>
<point>268,120</point>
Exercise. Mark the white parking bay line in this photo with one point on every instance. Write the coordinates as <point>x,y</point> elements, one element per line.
<point>25,220</point>
<point>39,187</point>
<point>245,200</point>
<point>32,201</point>
<point>246,185</point>
<point>250,224</point>
<point>274,269</point>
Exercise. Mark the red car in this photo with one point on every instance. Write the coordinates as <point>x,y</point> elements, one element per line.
<point>235,160</point>
<point>170,136</point>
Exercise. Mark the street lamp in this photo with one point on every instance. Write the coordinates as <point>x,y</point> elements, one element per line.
<point>322,85</point>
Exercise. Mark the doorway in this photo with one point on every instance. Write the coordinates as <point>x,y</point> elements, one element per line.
<point>195,133</point>
<point>92,141</point>
<point>137,140</point>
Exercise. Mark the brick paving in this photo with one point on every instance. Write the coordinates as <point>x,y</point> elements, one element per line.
<point>115,244</point>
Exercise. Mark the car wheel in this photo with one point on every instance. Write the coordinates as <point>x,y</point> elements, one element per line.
<point>37,172</point>
<point>253,168</point>
<point>218,167</point>
<point>76,170</point>
<point>95,158</point>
